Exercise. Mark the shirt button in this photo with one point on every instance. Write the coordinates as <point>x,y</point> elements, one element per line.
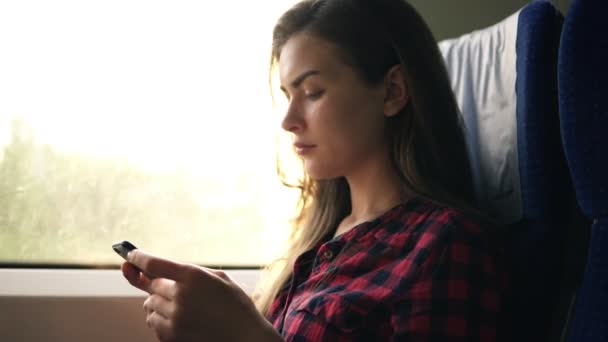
<point>328,254</point>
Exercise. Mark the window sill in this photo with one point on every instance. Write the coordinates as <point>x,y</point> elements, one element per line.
<point>86,283</point>
<point>66,305</point>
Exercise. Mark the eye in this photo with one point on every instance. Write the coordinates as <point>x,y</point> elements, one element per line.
<point>314,95</point>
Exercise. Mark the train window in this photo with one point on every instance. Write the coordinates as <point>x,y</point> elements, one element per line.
<point>148,121</point>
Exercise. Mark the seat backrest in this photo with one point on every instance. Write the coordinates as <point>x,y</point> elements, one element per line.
<point>482,66</point>
<point>505,81</point>
<point>583,100</point>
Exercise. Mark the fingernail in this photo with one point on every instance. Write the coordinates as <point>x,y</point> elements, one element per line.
<point>130,255</point>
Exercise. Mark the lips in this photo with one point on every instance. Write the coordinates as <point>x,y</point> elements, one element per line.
<point>301,145</point>
<point>302,148</point>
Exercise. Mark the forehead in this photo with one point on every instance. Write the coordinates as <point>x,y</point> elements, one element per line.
<point>303,52</point>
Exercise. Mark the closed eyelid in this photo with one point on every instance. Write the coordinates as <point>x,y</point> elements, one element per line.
<point>300,79</point>
<point>314,93</point>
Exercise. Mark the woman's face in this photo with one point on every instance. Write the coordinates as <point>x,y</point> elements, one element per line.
<point>336,119</point>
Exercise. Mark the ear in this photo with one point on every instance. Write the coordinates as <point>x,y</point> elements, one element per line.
<point>396,91</point>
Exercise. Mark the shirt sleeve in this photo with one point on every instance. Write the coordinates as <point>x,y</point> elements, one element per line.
<point>456,295</point>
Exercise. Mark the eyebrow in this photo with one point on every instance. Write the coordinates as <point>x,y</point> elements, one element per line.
<point>298,80</point>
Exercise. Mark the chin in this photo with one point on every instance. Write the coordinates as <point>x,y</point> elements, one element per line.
<point>317,172</point>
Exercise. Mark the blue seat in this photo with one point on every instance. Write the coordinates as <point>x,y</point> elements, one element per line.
<point>505,81</point>
<point>583,100</point>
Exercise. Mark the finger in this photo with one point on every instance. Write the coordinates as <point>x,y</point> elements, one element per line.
<point>219,273</point>
<point>223,276</point>
<point>160,305</point>
<point>135,277</point>
<point>161,325</point>
<point>163,287</point>
<point>140,271</point>
<point>157,266</point>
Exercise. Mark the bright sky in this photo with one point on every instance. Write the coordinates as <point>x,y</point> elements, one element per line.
<point>154,81</point>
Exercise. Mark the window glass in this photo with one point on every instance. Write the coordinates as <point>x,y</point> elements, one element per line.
<point>147,121</point>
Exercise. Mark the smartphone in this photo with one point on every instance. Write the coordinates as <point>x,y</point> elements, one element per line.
<point>123,248</point>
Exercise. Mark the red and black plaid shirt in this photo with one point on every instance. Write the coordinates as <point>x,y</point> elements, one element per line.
<point>419,272</point>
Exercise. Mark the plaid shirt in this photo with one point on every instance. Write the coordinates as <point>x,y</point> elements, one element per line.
<point>419,272</point>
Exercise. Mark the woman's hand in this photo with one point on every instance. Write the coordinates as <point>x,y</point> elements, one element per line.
<point>192,303</point>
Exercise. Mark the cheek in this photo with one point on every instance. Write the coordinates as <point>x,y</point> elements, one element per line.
<point>336,127</point>
<point>348,132</point>
<point>329,127</point>
<point>356,126</point>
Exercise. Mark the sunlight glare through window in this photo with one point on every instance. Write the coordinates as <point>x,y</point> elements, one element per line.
<point>142,120</point>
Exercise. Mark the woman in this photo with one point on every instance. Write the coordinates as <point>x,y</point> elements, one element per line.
<point>387,245</point>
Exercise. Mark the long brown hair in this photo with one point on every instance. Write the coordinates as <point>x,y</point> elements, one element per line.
<point>426,139</point>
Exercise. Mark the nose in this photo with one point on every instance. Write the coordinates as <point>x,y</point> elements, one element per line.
<point>293,120</point>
